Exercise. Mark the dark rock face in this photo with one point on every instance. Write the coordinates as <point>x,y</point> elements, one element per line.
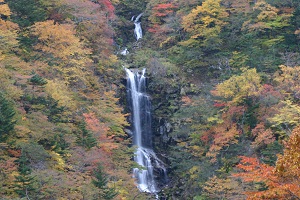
<point>153,175</point>
<point>165,101</point>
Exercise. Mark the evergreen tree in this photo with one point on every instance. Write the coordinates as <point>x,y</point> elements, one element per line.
<point>24,181</point>
<point>38,80</point>
<point>85,138</point>
<point>27,12</point>
<point>6,117</point>
<point>100,181</point>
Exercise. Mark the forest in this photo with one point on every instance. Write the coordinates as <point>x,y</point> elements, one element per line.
<point>224,81</point>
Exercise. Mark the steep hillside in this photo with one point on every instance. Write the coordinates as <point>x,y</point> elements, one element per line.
<point>223,77</point>
<point>224,82</point>
<point>62,127</point>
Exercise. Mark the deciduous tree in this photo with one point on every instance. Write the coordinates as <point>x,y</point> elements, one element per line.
<point>62,48</point>
<point>281,181</point>
<point>286,118</point>
<point>204,24</point>
<point>223,188</point>
<point>239,87</point>
<point>287,79</point>
<point>164,23</point>
<point>8,32</point>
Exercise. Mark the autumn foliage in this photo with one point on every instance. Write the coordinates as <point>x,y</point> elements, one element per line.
<point>204,23</point>
<point>224,85</point>
<point>162,10</point>
<point>108,7</point>
<point>61,119</point>
<point>282,181</point>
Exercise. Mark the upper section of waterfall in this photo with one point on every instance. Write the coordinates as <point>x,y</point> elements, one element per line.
<point>140,106</point>
<point>138,17</point>
<point>138,29</point>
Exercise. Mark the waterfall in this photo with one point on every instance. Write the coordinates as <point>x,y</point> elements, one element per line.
<point>138,29</point>
<point>124,52</point>
<point>142,134</point>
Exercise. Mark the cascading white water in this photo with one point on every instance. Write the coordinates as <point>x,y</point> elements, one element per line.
<point>138,29</point>
<point>142,133</point>
<point>124,52</point>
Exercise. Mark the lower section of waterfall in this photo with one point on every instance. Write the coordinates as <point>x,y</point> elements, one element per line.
<point>151,168</point>
<point>148,160</point>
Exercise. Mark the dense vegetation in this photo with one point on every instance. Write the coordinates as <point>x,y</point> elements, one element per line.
<point>225,87</point>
